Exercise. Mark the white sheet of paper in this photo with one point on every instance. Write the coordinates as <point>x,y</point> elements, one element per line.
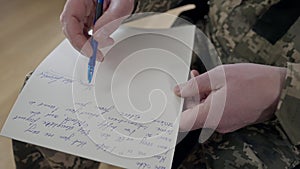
<point>127,117</point>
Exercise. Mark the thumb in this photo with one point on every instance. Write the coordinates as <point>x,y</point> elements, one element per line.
<point>195,117</point>
<point>194,73</point>
<point>106,25</point>
<point>195,86</point>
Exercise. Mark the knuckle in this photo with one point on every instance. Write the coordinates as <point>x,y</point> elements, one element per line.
<point>62,18</point>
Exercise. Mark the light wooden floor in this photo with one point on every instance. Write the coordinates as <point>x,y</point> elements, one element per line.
<point>29,30</point>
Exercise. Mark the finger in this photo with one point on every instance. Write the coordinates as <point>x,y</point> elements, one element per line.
<point>191,102</point>
<point>112,18</point>
<point>108,42</point>
<point>195,117</point>
<point>104,32</point>
<point>78,8</point>
<point>194,73</point>
<point>87,49</point>
<point>195,86</point>
<point>106,4</point>
<point>73,31</point>
<point>117,10</point>
<point>102,43</point>
<point>99,56</point>
<point>73,22</point>
<point>88,52</point>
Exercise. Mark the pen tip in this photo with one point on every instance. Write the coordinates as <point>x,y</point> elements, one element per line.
<point>90,75</point>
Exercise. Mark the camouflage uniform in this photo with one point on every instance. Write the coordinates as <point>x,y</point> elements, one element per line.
<point>266,145</point>
<point>271,144</point>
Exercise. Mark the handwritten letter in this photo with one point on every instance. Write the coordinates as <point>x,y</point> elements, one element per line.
<point>127,117</point>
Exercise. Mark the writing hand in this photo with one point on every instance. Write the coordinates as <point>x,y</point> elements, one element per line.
<point>77,19</point>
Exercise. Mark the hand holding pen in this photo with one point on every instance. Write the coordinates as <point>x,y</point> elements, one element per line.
<point>78,16</point>
<point>94,43</point>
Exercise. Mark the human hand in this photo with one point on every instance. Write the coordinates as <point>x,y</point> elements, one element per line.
<point>77,20</point>
<point>252,94</point>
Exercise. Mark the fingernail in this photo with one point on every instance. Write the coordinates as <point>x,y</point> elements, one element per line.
<point>87,50</point>
<point>192,75</point>
<point>177,90</point>
<point>100,59</point>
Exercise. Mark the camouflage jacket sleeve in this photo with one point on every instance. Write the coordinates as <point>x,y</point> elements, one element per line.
<point>155,5</point>
<point>288,112</point>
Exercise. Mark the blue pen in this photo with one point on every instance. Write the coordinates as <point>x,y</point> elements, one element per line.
<point>94,43</point>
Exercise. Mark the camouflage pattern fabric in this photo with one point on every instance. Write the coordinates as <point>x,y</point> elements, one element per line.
<point>265,145</point>
<point>28,156</point>
<point>288,107</point>
<point>230,29</point>
<point>259,146</point>
<point>155,5</point>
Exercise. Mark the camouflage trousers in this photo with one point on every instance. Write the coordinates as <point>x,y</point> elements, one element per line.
<point>258,146</point>
<point>28,156</point>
